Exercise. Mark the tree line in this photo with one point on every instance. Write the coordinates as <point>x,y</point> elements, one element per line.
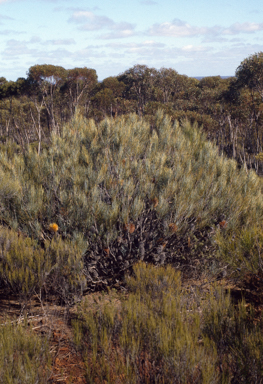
<point>230,110</point>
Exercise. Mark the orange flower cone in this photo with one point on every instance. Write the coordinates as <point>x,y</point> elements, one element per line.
<point>53,227</point>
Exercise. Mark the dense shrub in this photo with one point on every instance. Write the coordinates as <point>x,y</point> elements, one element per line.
<point>127,191</point>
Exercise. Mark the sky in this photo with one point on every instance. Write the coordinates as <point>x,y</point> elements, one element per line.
<point>194,37</point>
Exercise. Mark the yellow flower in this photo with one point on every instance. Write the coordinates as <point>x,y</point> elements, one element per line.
<point>53,227</point>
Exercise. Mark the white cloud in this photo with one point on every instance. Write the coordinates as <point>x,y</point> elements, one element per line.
<point>146,43</point>
<point>90,21</point>
<point>119,31</point>
<point>61,42</point>
<point>90,52</point>
<point>192,48</point>
<point>218,39</point>
<point>15,48</point>
<point>9,32</point>
<point>37,40</point>
<point>151,50</point>
<point>118,34</point>
<point>34,40</point>
<point>178,28</point>
<point>243,28</point>
<point>55,57</point>
<point>122,26</point>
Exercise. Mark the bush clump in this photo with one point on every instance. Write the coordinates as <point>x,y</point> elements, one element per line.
<point>27,269</point>
<point>153,337</point>
<point>164,332</point>
<point>130,191</point>
<point>24,356</point>
<point>242,249</point>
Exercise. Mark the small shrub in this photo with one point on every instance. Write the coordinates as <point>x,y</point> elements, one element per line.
<point>65,279</point>
<point>24,356</point>
<point>162,332</point>
<point>237,335</point>
<point>23,265</point>
<point>242,249</point>
<point>154,337</point>
<point>28,269</point>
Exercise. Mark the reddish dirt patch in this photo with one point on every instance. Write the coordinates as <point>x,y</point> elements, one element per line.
<point>68,366</point>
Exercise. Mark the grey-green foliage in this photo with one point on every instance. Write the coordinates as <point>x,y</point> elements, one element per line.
<point>95,179</point>
<point>24,356</point>
<point>23,266</point>
<point>28,269</point>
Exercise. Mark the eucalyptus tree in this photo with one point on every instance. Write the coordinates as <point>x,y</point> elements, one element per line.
<point>250,75</point>
<point>6,98</point>
<point>14,114</point>
<point>45,82</point>
<point>108,97</point>
<point>139,81</point>
<point>168,83</point>
<point>78,86</point>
